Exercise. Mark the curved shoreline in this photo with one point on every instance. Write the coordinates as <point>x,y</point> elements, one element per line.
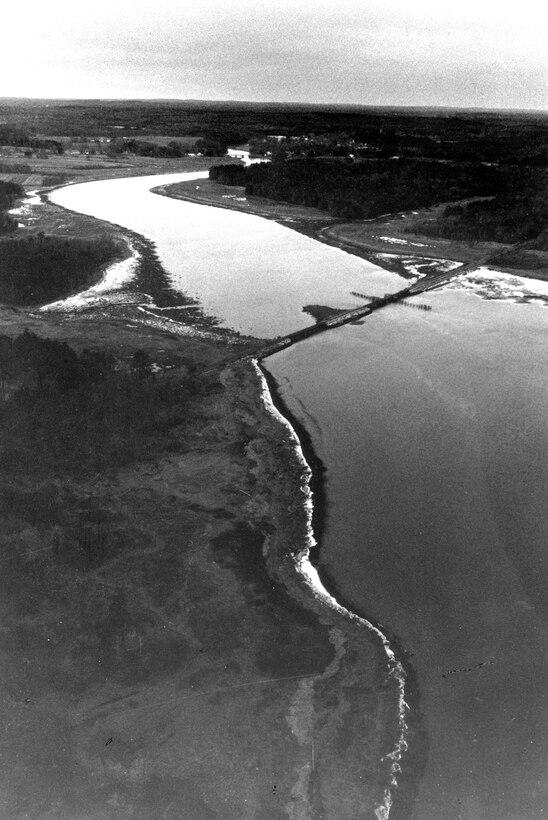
<point>308,572</point>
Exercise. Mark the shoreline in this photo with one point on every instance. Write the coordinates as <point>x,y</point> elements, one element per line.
<point>321,227</point>
<point>399,798</point>
<point>288,555</point>
<point>146,288</point>
<point>312,228</point>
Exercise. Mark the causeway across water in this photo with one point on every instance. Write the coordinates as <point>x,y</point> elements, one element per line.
<point>425,283</point>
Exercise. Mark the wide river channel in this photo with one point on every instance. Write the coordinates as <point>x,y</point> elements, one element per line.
<point>433,427</point>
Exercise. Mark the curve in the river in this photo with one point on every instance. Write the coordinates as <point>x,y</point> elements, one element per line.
<point>254,275</point>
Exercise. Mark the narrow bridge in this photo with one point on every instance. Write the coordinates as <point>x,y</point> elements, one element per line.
<point>428,282</point>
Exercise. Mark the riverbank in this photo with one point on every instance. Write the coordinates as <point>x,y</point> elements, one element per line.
<point>133,280</point>
<point>387,241</point>
<point>311,577</point>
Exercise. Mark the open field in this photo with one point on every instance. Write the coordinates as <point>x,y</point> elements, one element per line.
<point>206,192</point>
<point>60,169</point>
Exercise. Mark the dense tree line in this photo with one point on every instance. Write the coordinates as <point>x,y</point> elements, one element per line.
<point>10,192</point>
<point>61,411</point>
<point>43,268</point>
<point>368,189</point>
<point>142,148</point>
<point>501,137</point>
<point>228,174</point>
<point>7,224</point>
<point>517,214</point>
<point>12,135</point>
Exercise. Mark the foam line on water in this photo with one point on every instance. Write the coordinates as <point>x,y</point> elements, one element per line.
<point>312,579</point>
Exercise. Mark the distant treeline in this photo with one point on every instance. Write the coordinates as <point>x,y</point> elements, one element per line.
<point>500,137</point>
<point>10,135</point>
<point>517,214</point>
<point>61,411</point>
<point>9,193</point>
<point>392,142</point>
<point>142,148</point>
<point>228,174</point>
<point>42,268</point>
<point>367,189</point>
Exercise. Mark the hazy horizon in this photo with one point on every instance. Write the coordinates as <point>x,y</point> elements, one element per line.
<point>266,103</point>
<point>382,53</point>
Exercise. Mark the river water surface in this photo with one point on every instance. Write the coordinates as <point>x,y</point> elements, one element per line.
<point>252,273</point>
<point>433,429</point>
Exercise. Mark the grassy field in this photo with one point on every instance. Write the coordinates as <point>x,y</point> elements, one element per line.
<point>233,197</point>
<point>59,169</point>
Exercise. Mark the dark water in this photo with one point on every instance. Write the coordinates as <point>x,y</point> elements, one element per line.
<point>434,431</point>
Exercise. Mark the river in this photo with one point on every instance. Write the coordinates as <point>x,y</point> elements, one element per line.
<point>433,429</point>
<point>253,274</point>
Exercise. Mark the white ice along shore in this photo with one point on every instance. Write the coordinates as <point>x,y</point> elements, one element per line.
<point>310,575</point>
<point>493,284</point>
<point>107,291</point>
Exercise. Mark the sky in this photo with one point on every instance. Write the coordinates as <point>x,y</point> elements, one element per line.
<point>459,53</point>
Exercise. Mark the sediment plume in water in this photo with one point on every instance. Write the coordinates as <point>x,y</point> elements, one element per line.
<point>310,576</point>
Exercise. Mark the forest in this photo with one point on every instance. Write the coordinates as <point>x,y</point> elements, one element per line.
<point>228,174</point>
<point>12,135</point>
<point>10,192</point>
<point>509,204</point>
<point>40,268</point>
<point>65,412</point>
<point>455,135</point>
<point>368,189</point>
<point>517,214</point>
<point>174,149</point>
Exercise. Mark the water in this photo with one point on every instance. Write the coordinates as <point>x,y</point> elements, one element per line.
<point>433,428</point>
<point>434,431</point>
<point>253,274</point>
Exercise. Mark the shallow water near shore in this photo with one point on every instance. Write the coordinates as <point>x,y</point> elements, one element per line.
<point>432,427</point>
